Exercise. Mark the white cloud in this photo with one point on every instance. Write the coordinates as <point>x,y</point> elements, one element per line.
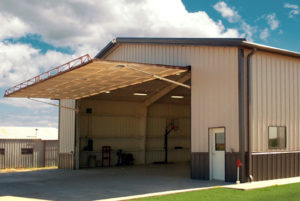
<point>21,62</point>
<point>89,25</point>
<point>294,9</point>
<point>11,26</point>
<point>264,34</point>
<point>229,13</point>
<point>272,21</point>
<point>29,113</point>
<point>29,104</point>
<point>233,17</point>
<point>42,120</point>
<point>86,27</point>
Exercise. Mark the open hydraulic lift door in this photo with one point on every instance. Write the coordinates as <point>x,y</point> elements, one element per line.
<point>84,77</point>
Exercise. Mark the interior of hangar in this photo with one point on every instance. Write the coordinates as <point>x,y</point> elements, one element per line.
<point>144,123</point>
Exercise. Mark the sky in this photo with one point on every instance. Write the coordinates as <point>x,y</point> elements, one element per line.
<point>36,36</point>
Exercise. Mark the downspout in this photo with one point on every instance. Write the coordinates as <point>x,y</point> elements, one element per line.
<point>249,143</point>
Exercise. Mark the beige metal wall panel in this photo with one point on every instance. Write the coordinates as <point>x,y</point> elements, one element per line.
<point>214,85</point>
<point>275,99</point>
<point>67,126</point>
<point>120,125</point>
<point>2,161</point>
<point>51,153</point>
<point>13,157</point>
<point>107,126</point>
<point>173,156</point>
<point>66,161</point>
<point>115,124</point>
<point>158,115</point>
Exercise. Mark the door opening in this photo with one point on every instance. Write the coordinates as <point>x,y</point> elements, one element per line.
<point>217,154</point>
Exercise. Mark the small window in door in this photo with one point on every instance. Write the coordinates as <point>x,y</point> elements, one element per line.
<point>220,141</point>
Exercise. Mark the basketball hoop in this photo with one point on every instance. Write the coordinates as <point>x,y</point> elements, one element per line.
<point>172,125</point>
<point>175,128</point>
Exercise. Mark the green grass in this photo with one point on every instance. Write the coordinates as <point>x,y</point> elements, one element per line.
<point>290,192</point>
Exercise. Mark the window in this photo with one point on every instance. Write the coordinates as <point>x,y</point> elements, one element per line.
<point>2,151</point>
<point>26,151</point>
<point>277,137</point>
<point>220,141</point>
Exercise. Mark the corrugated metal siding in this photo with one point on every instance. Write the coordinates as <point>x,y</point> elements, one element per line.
<point>120,125</point>
<point>275,99</point>
<point>67,127</point>
<point>158,114</point>
<point>200,165</point>
<point>14,159</point>
<point>214,84</point>
<point>275,166</point>
<point>230,167</point>
<point>2,161</point>
<point>51,153</point>
<point>66,160</point>
<point>115,124</point>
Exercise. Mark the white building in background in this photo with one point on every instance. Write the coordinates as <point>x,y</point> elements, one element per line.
<point>43,133</point>
<point>26,147</point>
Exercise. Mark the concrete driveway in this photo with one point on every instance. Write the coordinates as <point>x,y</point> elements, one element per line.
<point>96,184</point>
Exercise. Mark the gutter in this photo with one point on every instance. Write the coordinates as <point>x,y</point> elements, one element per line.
<point>106,49</point>
<point>249,143</point>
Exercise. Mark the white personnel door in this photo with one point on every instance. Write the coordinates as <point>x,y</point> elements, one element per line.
<point>217,153</point>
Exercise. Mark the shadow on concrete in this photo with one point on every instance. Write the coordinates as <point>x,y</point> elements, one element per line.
<point>101,183</point>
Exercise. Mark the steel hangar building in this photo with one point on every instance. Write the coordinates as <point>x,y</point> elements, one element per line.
<point>206,101</point>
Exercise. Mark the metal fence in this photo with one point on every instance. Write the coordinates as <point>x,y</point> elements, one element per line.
<point>28,153</point>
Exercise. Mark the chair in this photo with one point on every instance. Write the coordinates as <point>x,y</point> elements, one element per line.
<point>106,153</point>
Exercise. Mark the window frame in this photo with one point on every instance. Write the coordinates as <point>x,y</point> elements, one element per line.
<point>2,151</point>
<point>27,152</point>
<point>285,138</point>
<point>216,147</point>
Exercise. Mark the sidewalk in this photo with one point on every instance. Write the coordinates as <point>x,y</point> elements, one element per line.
<point>263,184</point>
<point>243,186</point>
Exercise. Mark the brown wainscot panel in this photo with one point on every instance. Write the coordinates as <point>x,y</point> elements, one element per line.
<point>200,165</point>
<point>66,161</point>
<point>266,166</point>
<point>230,166</point>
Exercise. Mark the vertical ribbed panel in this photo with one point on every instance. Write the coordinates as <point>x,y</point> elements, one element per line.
<point>275,99</point>
<point>112,123</point>
<point>200,165</point>
<point>51,153</point>
<point>119,125</point>
<point>66,134</point>
<point>158,114</point>
<point>275,166</point>
<point>214,84</point>
<point>67,127</point>
<point>66,161</point>
<point>13,157</point>
<point>230,167</point>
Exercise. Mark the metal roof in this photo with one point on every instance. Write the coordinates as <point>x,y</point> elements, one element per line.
<point>44,133</point>
<point>229,42</point>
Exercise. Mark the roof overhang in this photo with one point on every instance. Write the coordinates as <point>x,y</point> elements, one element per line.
<point>227,42</point>
<point>90,77</point>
